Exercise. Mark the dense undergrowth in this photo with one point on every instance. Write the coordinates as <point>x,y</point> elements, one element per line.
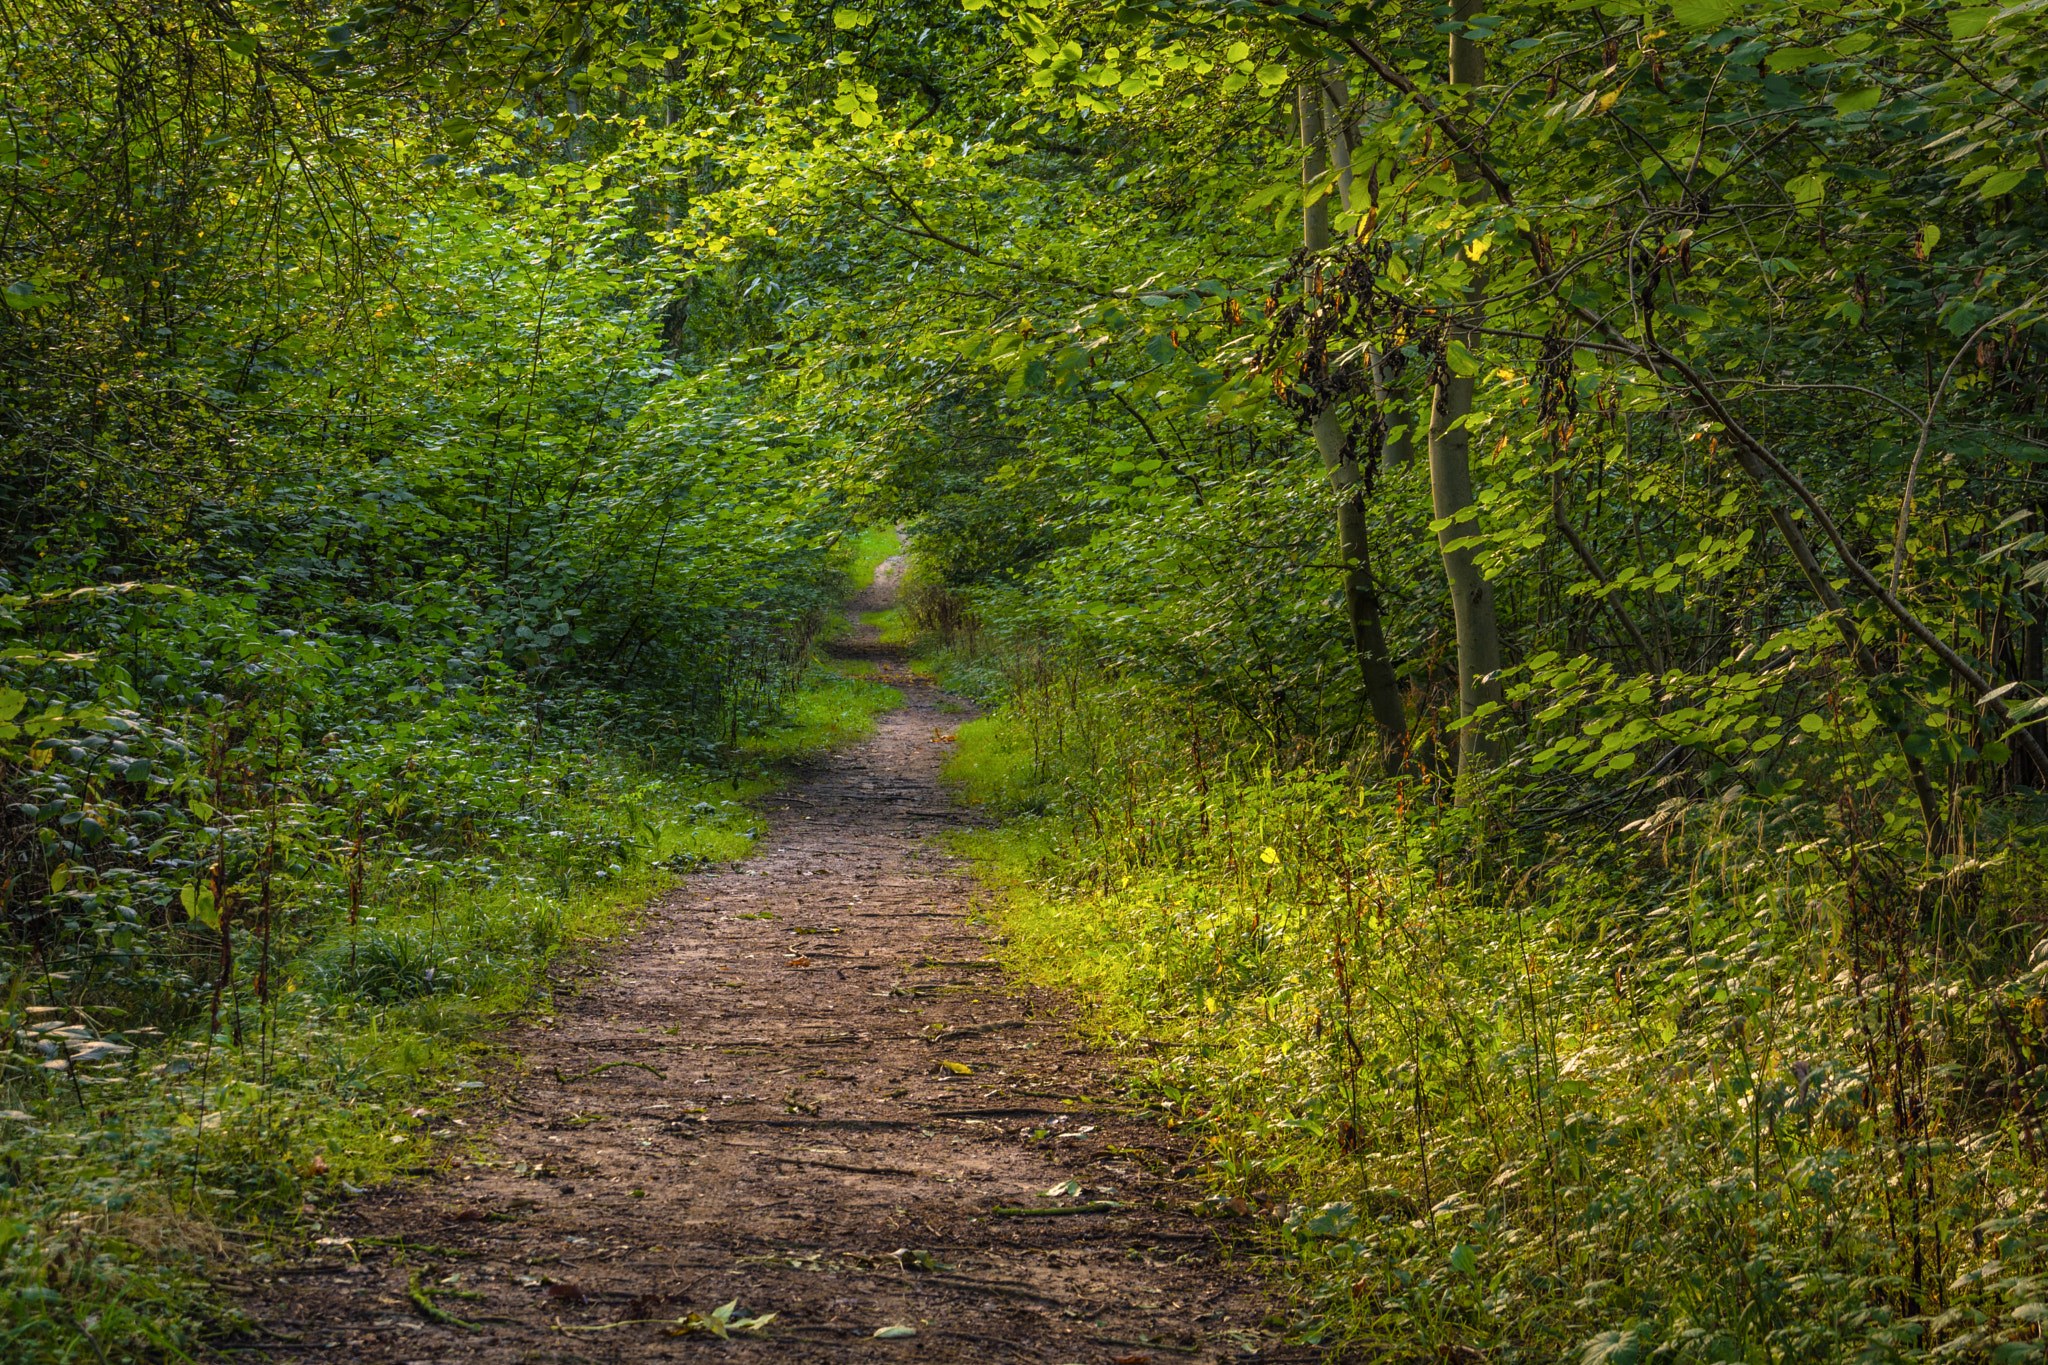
<point>1725,1085</point>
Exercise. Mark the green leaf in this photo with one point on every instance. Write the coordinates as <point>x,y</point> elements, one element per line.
<point>1806,190</point>
<point>1795,58</point>
<point>1331,1220</point>
<point>198,903</point>
<point>1702,13</point>
<point>1464,1259</point>
<point>1968,23</point>
<point>851,18</point>
<point>2000,182</point>
<point>1858,101</point>
<point>1462,362</point>
<point>1612,1348</point>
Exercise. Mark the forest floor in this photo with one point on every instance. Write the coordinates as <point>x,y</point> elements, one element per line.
<point>802,1085</point>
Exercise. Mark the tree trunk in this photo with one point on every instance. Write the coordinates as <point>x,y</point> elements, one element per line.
<point>1450,481</point>
<point>1361,593</point>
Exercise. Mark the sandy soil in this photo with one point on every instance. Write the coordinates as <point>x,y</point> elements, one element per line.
<point>804,1086</point>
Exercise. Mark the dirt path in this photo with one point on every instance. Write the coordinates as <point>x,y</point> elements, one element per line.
<point>802,1086</point>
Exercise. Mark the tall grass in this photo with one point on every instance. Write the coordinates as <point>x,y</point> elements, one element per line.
<point>1735,1084</point>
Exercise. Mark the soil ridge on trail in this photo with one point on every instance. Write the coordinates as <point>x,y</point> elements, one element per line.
<point>803,1086</point>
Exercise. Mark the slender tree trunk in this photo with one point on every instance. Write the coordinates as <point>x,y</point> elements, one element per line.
<point>1361,592</point>
<point>1450,481</point>
<point>1399,450</point>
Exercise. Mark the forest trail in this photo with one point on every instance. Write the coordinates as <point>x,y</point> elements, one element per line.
<point>803,1086</point>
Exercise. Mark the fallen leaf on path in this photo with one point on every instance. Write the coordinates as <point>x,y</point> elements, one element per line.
<point>911,1259</point>
<point>720,1322</point>
<point>1131,1360</point>
<point>799,962</point>
<point>564,1292</point>
<point>895,1333</point>
<point>958,1068</point>
<point>1067,1188</point>
<point>809,1262</point>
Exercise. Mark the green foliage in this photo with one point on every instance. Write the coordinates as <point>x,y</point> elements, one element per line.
<point>393,596</point>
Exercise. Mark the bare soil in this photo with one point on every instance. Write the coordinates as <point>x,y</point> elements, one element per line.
<point>802,1085</point>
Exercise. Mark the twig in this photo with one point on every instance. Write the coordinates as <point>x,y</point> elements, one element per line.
<point>1149,1345</point>
<point>430,1312</point>
<point>1100,1206</point>
<point>837,1166</point>
<point>586,1075</point>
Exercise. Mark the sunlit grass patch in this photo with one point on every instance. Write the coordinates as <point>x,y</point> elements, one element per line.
<point>895,625</point>
<point>1596,1099</point>
<point>995,764</point>
<point>832,710</point>
<point>869,549</point>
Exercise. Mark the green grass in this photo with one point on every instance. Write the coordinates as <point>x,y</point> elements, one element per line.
<point>894,624</point>
<point>994,763</point>
<point>869,549</point>
<point>833,710</point>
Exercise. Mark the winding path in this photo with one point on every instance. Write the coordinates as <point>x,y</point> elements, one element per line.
<point>803,1086</point>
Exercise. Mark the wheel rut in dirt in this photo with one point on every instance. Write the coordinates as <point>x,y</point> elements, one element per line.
<point>804,1086</point>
